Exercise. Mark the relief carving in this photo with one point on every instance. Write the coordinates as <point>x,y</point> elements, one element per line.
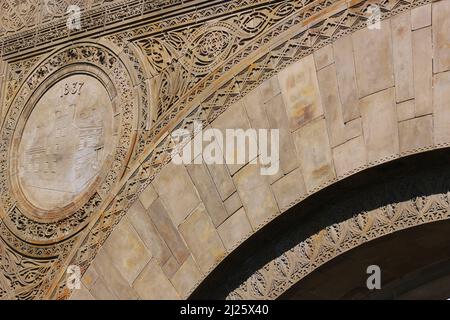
<point>64,123</point>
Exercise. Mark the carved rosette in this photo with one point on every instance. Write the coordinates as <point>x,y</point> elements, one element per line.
<point>85,91</point>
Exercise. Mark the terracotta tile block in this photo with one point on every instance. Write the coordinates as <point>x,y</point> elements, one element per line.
<point>208,192</point>
<point>423,71</point>
<point>421,17</point>
<point>403,61</point>
<point>441,103</point>
<point>324,57</point>
<point>332,105</point>
<point>441,36</point>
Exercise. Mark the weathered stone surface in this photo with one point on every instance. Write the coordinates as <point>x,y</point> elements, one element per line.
<point>89,277</point>
<point>202,238</point>
<point>353,128</point>
<point>168,231</point>
<point>406,110</point>
<point>82,294</point>
<point>170,267</point>
<point>314,152</point>
<point>148,196</point>
<point>187,89</point>
<point>127,251</point>
<point>289,189</point>
<point>441,36</point>
<point>332,105</point>
<point>116,284</point>
<point>379,118</point>
<point>402,52</point>
<point>349,156</point>
<point>152,284</point>
<point>208,192</point>
<point>222,179</point>
<point>186,277</point>
<point>235,117</point>
<point>177,191</point>
<point>65,142</point>
<point>255,194</point>
<point>269,89</point>
<point>441,103</point>
<point>373,59</point>
<point>254,107</point>
<point>235,229</point>
<point>300,90</point>
<point>146,230</point>
<point>345,71</point>
<point>100,291</point>
<point>279,120</point>
<point>421,17</point>
<point>233,203</point>
<point>324,57</point>
<point>416,133</point>
<point>423,73</point>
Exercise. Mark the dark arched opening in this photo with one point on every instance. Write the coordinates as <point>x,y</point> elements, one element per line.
<point>400,180</point>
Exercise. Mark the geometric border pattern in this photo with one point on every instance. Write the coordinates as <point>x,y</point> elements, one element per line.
<point>278,275</point>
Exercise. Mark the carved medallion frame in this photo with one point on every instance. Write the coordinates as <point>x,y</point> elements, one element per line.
<point>81,58</point>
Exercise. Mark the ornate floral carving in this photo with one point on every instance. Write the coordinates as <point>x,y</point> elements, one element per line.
<point>29,268</point>
<point>17,14</point>
<point>278,275</point>
<point>271,58</point>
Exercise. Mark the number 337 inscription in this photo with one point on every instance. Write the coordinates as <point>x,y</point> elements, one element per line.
<point>74,88</point>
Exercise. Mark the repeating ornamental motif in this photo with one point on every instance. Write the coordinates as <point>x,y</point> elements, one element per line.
<point>84,91</point>
<point>428,201</point>
<point>267,53</point>
<point>194,69</point>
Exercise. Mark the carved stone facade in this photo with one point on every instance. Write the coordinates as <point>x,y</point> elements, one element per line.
<point>113,91</point>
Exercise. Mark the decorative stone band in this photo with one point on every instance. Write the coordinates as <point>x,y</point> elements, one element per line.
<point>235,81</point>
<point>41,245</point>
<point>277,276</point>
<point>19,36</point>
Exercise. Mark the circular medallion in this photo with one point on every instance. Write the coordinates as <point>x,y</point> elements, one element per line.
<point>65,142</point>
<point>68,136</point>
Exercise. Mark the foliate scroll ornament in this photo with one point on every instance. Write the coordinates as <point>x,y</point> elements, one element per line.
<point>65,72</point>
<point>18,14</point>
<point>22,277</point>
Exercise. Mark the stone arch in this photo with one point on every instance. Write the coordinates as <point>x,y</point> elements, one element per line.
<point>373,204</point>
